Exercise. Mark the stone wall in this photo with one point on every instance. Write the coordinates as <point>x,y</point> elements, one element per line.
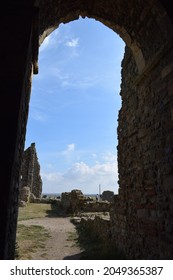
<point>30,172</point>
<point>100,226</point>
<point>76,202</point>
<point>72,201</point>
<point>142,216</point>
<point>96,206</point>
<point>108,196</point>
<point>16,60</point>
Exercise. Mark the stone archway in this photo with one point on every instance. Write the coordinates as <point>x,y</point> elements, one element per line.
<point>142,214</point>
<point>147,32</point>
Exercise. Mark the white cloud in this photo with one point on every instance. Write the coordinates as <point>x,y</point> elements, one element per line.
<point>82,176</point>
<point>109,157</point>
<point>70,147</point>
<point>69,80</point>
<point>85,82</point>
<point>72,43</point>
<point>68,152</point>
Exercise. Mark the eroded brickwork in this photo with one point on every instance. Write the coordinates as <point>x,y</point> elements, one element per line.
<point>76,202</point>
<point>142,216</point>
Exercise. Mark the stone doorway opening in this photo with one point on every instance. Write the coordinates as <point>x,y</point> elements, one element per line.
<point>74,107</point>
<point>104,80</point>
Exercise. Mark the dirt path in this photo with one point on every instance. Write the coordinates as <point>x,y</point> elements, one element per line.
<point>59,246</point>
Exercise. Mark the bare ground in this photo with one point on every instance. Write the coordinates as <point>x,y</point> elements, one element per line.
<point>61,245</point>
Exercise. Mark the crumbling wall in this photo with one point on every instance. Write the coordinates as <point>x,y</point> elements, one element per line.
<point>72,201</point>
<point>30,172</point>
<point>100,226</point>
<point>75,202</point>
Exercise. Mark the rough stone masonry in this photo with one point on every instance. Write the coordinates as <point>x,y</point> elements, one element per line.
<point>30,172</point>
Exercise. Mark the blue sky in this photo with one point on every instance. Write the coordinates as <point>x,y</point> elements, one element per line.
<point>74,107</point>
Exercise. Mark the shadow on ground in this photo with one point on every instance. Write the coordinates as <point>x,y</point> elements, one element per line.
<point>56,212</point>
<point>73,257</point>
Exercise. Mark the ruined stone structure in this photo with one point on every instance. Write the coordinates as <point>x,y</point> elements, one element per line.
<point>99,226</point>
<point>72,201</point>
<point>30,172</point>
<point>75,202</point>
<point>108,195</point>
<point>142,218</point>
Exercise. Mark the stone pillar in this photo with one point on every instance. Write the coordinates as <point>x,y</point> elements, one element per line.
<point>16,51</point>
<point>30,171</point>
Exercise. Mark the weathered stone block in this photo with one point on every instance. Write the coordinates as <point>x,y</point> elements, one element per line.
<point>25,194</point>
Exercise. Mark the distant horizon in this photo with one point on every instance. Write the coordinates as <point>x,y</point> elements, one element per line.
<point>69,191</point>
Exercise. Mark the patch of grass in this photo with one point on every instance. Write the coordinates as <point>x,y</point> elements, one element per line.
<point>40,210</point>
<point>32,238</point>
<point>29,240</point>
<point>33,210</point>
